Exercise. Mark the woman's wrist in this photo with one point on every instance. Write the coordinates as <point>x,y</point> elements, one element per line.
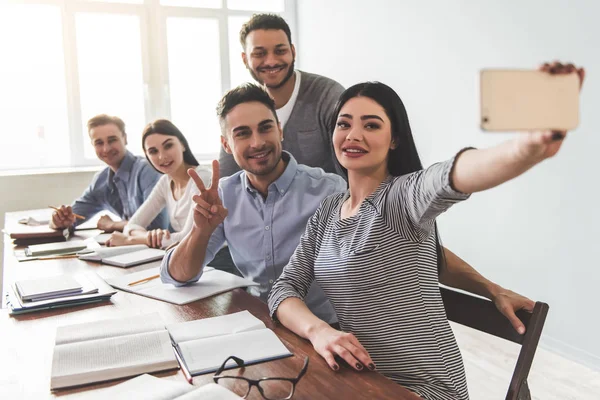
<point>314,329</point>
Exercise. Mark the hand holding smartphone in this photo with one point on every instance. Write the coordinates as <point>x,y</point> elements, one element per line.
<point>529,100</point>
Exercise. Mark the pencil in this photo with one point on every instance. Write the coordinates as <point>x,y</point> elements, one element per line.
<point>76,215</point>
<point>144,280</point>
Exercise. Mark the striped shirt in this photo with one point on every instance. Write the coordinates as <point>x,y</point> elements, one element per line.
<point>379,270</point>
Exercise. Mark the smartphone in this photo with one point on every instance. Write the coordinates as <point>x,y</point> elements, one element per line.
<point>524,100</point>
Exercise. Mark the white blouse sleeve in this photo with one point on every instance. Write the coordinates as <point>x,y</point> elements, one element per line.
<point>153,205</point>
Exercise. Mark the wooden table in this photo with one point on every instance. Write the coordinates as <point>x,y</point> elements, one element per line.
<point>27,341</point>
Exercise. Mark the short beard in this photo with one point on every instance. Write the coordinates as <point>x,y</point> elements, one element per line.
<point>283,81</point>
<point>263,172</point>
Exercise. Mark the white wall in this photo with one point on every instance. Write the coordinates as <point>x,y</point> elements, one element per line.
<point>538,234</point>
<point>27,192</point>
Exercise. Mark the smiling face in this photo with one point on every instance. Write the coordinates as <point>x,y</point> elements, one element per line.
<point>253,136</point>
<point>269,57</point>
<point>165,152</point>
<point>362,137</point>
<point>109,143</point>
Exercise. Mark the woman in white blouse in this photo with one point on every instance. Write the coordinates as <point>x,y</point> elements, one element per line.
<point>169,153</point>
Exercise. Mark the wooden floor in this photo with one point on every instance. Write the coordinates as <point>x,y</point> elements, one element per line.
<point>490,361</point>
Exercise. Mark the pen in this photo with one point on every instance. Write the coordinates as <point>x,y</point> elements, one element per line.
<point>76,215</point>
<point>144,280</point>
<point>186,373</point>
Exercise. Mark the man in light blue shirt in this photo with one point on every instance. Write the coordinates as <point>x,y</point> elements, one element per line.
<point>121,187</point>
<point>260,211</point>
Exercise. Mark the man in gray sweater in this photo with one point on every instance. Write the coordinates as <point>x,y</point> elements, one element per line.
<point>304,105</point>
<point>304,102</point>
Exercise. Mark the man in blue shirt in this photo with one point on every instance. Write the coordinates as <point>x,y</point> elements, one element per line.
<point>121,188</point>
<point>267,203</point>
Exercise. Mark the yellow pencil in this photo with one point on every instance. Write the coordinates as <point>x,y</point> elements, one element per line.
<point>144,280</point>
<point>76,215</point>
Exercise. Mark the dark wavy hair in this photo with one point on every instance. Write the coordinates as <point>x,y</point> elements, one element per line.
<point>264,22</point>
<point>404,158</point>
<point>244,93</point>
<point>166,127</point>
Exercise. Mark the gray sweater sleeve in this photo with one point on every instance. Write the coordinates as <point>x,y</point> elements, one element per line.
<point>227,165</point>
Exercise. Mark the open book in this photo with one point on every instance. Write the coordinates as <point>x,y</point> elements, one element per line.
<point>110,349</point>
<point>211,282</point>
<point>124,256</point>
<point>204,344</point>
<point>148,387</point>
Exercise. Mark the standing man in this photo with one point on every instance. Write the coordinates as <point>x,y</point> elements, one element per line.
<point>303,101</point>
<point>121,187</point>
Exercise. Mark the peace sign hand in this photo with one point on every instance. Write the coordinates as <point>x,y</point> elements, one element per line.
<point>208,211</point>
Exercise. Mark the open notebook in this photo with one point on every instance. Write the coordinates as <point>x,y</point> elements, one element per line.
<point>148,387</point>
<point>204,344</point>
<point>110,349</point>
<point>124,256</point>
<point>211,282</point>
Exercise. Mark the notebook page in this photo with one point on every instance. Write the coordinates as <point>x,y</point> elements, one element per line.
<point>207,355</point>
<point>217,326</point>
<point>145,387</point>
<point>109,328</point>
<point>111,358</point>
<point>212,282</point>
<point>105,252</point>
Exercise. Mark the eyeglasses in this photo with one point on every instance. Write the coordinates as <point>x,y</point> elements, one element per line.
<point>269,388</point>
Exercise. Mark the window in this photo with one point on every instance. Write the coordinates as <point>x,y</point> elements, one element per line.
<point>69,60</point>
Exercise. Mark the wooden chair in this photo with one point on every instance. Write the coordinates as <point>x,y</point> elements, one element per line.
<point>482,314</point>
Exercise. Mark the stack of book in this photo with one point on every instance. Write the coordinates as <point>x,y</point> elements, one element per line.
<point>46,293</point>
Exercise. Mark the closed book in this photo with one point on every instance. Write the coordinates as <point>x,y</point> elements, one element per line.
<point>47,249</point>
<point>47,287</point>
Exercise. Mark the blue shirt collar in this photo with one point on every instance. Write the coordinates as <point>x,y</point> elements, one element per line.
<point>281,184</point>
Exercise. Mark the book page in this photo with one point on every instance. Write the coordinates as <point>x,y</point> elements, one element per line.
<point>103,359</point>
<point>109,328</point>
<point>207,355</point>
<point>211,391</point>
<point>217,326</point>
<point>145,387</point>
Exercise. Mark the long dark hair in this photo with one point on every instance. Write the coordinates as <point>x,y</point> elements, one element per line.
<point>404,158</point>
<point>166,127</point>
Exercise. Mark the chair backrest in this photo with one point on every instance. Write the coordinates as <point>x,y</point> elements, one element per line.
<point>482,314</point>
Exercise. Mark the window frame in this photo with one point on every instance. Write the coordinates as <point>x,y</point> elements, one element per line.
<point>155,64</point>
